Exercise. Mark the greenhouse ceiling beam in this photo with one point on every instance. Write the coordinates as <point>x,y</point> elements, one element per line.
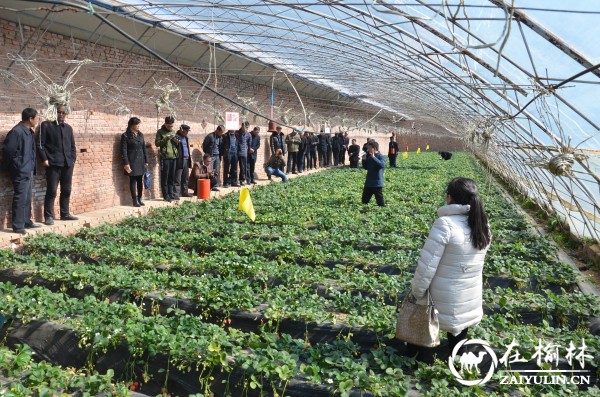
<point>466,52</point>
<point>553,39</point>
<point>452,60</point>
<point>320,27</point>
<point>307,33</point>
<point>353,26</point>
<point>482,41</point>
<point>366,59</point>
<point>156,22</point>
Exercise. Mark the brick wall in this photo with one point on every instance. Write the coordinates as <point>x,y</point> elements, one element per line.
<point>119,85</point>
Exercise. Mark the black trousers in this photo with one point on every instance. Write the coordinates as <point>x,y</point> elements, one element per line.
<point>251,168</point>
<point>167,178</point>
<point>313,159</point>
<point>322,158</point>
<point>292,162</point>
<point>392,159</point>
<point>243,163</point>
<point>21,205</point>
<point>135,183</point>
<point>54,176</point>
<point>368,192</point>
<point>216,166</point>
<point>303,161</point>
<point>230,170</point>
<point>181,179</point>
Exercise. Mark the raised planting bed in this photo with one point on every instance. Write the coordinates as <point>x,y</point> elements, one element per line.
<point>302,301</point>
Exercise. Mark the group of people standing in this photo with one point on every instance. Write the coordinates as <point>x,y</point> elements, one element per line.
<point>54,143</point>
<point>303,149</point>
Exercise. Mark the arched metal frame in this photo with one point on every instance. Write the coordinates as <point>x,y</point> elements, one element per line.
<point>410,59</point>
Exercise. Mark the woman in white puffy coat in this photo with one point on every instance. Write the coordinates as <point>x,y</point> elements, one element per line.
<point>451,261</point>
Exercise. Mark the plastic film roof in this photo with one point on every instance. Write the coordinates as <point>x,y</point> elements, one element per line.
<point>517,80</point>
<point>497,73</point>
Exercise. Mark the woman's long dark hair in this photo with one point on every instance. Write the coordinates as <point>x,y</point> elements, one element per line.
<point>464,191</point>
<point>132,121</point>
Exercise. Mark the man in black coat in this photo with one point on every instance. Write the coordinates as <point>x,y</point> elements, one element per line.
<point>393,151</point>
<point>212,145</point>
<point>56,147</point>
<point>19,160</point>
<point>323,147</point>
<point>353,153</point>
<point>230,159</point>
<point>252,154</point>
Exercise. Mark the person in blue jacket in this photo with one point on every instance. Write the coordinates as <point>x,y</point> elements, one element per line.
<point>19,157</point>
<point>374,162</point>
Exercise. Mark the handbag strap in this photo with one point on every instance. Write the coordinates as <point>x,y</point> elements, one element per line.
<point>429,299</point>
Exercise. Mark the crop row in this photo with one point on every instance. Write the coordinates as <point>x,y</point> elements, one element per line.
<point>317,259</point>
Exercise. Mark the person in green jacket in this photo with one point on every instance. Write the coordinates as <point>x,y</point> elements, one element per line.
<point>167,142</point>
<point>293,142</point>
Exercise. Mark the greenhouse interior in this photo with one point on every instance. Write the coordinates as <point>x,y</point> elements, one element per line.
<point>474,270</point>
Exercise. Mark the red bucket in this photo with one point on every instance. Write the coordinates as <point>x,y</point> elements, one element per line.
<point>203,189</point>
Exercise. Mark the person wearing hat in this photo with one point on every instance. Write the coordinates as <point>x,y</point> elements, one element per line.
<point>212,145</point>
<point>167,143</point>
<point>183,163</point>
<point>274,142</point>
<point>293,142</point>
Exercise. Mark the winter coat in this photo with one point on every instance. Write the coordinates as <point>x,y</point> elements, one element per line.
<point>133,150</point>
<point>19,151</point>
<point>337,142</point>
<point>57,144</point>
<point>244,139</point>
<point>293,142</point>
<point>374,166</point>
<point>254,145</point>
<point>276,163</point>
<point>324,142</point>
<point>209,142</point>
<point>226,143</point>
<point>452,269</point>
<point>179,163</point>
<point>275,143</point>
<point>167,145</point>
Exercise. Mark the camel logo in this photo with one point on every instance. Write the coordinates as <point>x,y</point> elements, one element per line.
<point>469,362</point>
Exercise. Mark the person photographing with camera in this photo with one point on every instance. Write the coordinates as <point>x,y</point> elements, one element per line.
<point>168,143</point>
<point>374,162</point>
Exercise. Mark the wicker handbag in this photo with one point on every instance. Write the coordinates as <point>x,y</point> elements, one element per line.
<point>418,324</point>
